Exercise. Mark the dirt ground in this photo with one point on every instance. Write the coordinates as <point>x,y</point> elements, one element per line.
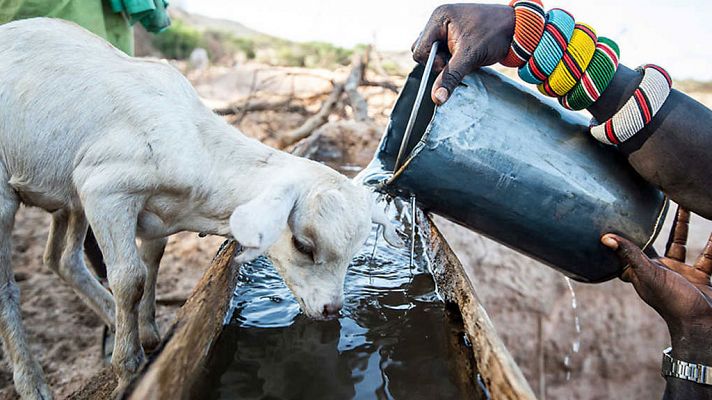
<point>64,334</point>
<point>621,338</point>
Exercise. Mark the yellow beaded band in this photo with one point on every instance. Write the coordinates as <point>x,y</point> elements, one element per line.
<point>573,64</point>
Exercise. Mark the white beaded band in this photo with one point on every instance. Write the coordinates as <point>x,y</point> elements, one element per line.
<point>639,110</point>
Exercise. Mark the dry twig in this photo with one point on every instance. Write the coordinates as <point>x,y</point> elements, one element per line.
<point>316,120</point>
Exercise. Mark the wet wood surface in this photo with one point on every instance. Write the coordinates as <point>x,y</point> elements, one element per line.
<point>494,364</point>
<point>197,326</point>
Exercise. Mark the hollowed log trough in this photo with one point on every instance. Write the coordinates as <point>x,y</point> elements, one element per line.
<point>175,372</point>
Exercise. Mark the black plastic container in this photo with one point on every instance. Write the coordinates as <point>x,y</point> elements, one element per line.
<point>504,161</point>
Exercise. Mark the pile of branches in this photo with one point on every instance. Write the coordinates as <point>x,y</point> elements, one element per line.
<point>345,90</point>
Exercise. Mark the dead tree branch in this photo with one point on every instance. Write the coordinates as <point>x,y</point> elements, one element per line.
<point>255,106</point>
<point>358,103</point>
<point>383,84</point>
<point>316,120</point>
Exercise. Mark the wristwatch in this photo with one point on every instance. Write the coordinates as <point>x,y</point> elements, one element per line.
<point>684,370</point>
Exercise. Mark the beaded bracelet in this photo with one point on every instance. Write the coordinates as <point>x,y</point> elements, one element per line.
<point>639,110</point>
<point>595,80</point>
<point>557,33</point>
<point>573,64</point>
<point>529,21</point>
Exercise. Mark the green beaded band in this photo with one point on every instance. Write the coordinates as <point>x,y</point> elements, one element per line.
<point>597,77</point>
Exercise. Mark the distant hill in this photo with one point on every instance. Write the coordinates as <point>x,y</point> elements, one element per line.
<point>203,23</point>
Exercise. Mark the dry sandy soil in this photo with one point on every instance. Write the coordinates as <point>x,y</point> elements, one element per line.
<point>620,340</point>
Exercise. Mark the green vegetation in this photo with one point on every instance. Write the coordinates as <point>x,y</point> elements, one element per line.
<point>392,68</point>
<point>221,44</point>
<point>178,41</point>
<point>309,54</point>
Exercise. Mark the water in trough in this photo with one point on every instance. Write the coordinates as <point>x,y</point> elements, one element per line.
<point>395,339</point>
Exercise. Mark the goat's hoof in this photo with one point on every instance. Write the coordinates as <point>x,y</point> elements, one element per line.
<point>30,384</point>
<point>128,367</point>
<point>120,389</point>
<point>150,338</point>
<point>107,345</point>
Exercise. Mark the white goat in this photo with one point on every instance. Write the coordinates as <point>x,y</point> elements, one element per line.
<point>125,145</point>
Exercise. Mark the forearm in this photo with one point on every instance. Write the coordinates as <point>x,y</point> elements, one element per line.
<point>680,389</point>
<point>673,151</point>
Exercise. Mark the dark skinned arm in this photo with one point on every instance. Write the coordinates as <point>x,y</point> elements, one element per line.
<point>673,152</point>
<point>681,294</point>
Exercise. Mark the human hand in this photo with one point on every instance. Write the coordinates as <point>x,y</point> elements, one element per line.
<point>679,292</point>
<point>476,35</point>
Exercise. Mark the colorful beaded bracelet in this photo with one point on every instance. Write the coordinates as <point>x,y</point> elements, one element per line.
<point>595,80</point>
<point>529,21</point>
<point>639,110</point>
<point>557,34</point>
<point>573,64</point>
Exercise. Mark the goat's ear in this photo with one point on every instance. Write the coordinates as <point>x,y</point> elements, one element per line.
<point>257,224</point>
<point>378,216</point>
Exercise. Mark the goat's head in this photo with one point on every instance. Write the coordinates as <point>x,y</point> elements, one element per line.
<point>311,235</point>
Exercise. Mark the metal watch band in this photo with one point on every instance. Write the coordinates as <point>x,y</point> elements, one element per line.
<point>684,370</point>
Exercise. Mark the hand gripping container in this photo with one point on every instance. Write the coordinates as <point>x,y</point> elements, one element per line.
<point>504,161</point>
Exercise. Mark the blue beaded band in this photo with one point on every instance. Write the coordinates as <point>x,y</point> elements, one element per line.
<point>557,34</point>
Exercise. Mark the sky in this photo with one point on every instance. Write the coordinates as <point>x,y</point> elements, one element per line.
<point>672,33</point>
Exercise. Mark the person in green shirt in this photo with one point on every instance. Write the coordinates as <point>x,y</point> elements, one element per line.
<point>110,19</point>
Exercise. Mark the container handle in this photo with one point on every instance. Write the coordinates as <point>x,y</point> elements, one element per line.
<point>416,105</point>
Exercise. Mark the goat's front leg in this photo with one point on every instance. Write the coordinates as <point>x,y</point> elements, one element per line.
<point>26,372</point>
<point>151,254</point>
<point>113,217</point>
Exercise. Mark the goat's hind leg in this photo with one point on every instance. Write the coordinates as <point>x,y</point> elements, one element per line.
<point>27,373</point>
<point>151,254</point>
<point>64,255</point>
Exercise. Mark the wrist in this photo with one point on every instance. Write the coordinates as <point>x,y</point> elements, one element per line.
<point>692,342</point>
<point>522,28</point>
<point>621,88</point>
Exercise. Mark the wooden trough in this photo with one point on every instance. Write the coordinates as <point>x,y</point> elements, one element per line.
<point>176,371</point>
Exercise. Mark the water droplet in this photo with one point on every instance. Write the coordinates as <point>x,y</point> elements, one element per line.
<point>576,344</point>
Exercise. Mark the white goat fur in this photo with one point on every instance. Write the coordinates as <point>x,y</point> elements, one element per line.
<point>125,145</point>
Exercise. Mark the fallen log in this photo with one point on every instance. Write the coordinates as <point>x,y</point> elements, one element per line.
<point>195,330</point>
<point>176,371</point>
<point>495,367</point>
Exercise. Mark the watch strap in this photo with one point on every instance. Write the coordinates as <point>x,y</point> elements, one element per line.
<point>698,373</point>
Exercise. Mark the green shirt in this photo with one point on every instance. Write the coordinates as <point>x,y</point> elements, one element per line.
<point>94,15</point>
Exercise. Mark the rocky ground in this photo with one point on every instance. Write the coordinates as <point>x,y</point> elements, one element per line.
<point>620,339</point>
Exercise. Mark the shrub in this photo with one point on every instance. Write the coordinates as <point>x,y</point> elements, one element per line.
<point>178,41</point>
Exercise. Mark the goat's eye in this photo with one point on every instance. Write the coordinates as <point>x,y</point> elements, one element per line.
<point>302,248</point>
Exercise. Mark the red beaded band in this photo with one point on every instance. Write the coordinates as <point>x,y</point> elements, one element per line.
<point>529,21</point>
